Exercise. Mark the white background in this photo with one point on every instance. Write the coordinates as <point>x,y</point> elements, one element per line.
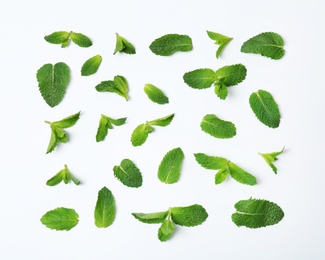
<point>296,82</point>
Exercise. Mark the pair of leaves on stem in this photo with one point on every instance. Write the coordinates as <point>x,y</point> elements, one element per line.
<point>225,168</point>
<point>65,218</point>
<point>220,40</point>
<point>189,216</point>
<point>58,135</point>
<point>63,175</point>
<point>63,38</point>
<point>119,86</point>
<point>223,78</point>
<point>106,123</point>
<point>122,45</point>
<point>270,158</point>
<point>141,132</point>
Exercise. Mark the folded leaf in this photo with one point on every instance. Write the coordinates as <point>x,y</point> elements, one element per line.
<point>91,65</point>
<point>200,78</point>
<point>106,123</point>
<point>155,94</point>
<point>151,218</point>
<point>60,219</point>
<point>53,142</point>
<point>166,230</point>
<point>268,44</point>
<point>128,174</point>
<point>171,43</point>
<point>270,158</point>
<point>67,121</point>
<point>140,134</point>
<point>105,208</point>
<point>218,128</point>
<point>220,40</point>
<point>254,213</point>
<point>53,82</point>
<point>170,167</point>
<point>122,45</point>
<point>265,108</point>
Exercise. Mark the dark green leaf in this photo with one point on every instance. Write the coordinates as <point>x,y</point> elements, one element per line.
<point>231,75</point>
<point>218,128</point>
<point>200,78</point>
<point>91,65</point>
<point>128,174</point>
<point>171,43</point>
<point>189,216</point>
<point>58,38</point>
<point>122,45</point>
<point>151,218</point>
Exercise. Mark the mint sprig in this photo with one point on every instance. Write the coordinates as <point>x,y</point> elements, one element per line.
<point>63,175</point>
<point>220,40</point>
<point>270,158</point>
<point>63,38</point>
<point>119,86</point>
<point>122,45</point>
<point>106,123</point>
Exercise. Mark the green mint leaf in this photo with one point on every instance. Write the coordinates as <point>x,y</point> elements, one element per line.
<point>53,142</point>
<point>68,121</point>
<point>122,45</point>
<point>270,158</point>
<point>105,209</point>
<point>220,40</point>
<point>58,38</point>
<point>119,86</point>
<point>166,230</point>
<point>128,173</point>
<point>221,175</point>
<point>91,65</point>
<point>210,162</point>
<point>163,121</point>
<point>218,128</point>
<point>53,81</point>
<point>268,44</point>
<point>155,94</point>
<point>81,40</point>
<point>171,43</point>
<point>140,134</point>
<point>240,175</point>
<point>231,75</point>
<point>151,218</point>
<point>221,90</point>
<point>170,167</point>
<point>200,78</point>
<point>63,175</point>
<point>265,108</point>
<point>60,219</point>
<point>189,216</point>
<point>253,213</point>
<point>105,123</point>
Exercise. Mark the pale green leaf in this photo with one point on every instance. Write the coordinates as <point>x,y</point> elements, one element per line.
<point>163,121</point>
<point>81,40</point>
<point>60,219</point>
<point>253,213</point>
<point>166,230</point>
<point>63,175</point>
<point>200,78</point>
<point>105,208</point>
<point>67,121</point>
<point>189,216</point>
<point>56,179</point>
<point>210,162</point>
<point>128,173</point>
<point>218,128</point>
<point>170,167</point>
<point>140,134</point>
<point>231,75</point>
<point>270,158</point>
<point>220,40</point>
<point>91,65</point>
<point>171,43</point>
<point>122,86</point>
<point>221,175</point>
<point>268,44</point>
<point>60,37</point>
<point>155,94</point>
<point>151,218</point>
<point>265,108</point>
<point>118,122</point>
<point>240,175</point>
<point>53,142</point>
<point>221,90</point>
<point>122,45</point>
<point>53,82</point>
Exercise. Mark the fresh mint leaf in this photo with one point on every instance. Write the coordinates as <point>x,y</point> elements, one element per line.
<point>122,45</point>
<point>253,213</point>
<point>170,167</point>
<point>210,162</point>
<point>105,208</point>
<point>225,167</point>
<point>221,90</point>
<point>81,40</point>
<point>270,158</point>
<point>265,108</point>
<point>151,218</point>
<point>166,230</point>
<point>53,81</point>
<point>119,86</point>
<point>128,173</point>
<point>220,40</point>
<point>268,44</point>
<point>141,132</point>
<point>171,43</point>
<point>231,75</point>
<point>63,38</point>
<point>189,216</point>
<point>200,78</point>
<point>60,219</point>
<point>58,135</point>
<point>218,128</point>
<point>155,94</point>
<point>63,175</point>
<point>106,123</point>
<point>91,65</point>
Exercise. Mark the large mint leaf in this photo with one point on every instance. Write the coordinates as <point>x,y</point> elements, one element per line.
<point>171,43</point>
<point>218,128</point>
<point>105,208</point>
<point>128,173</point>
<point>170,167</point>
<point>60,219</point>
